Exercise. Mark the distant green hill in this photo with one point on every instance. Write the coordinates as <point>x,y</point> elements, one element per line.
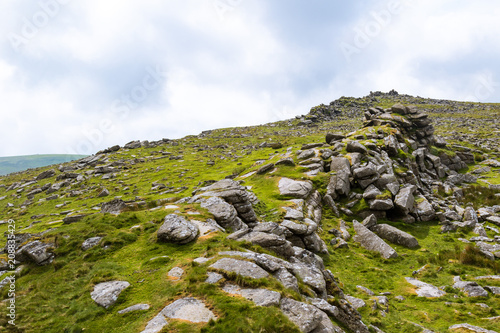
<point>11,164</point>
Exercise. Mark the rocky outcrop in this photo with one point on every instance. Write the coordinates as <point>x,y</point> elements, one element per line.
<point>177,229</point>
<point>232,193</point>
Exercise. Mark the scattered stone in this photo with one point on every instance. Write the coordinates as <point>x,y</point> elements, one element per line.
<point>189,309</point>
<point>355,302</point>
<point>425,289</point>
<point>176,273</point>
<point>372,242</point>
<point>365,290</point>
<point>106,293</point>
<point>287,279</point>
<point>74,218</point>
<point>90,243</point>
<point>424,209</point>
<point>286,161</point>
<point>177,229</point>
<point>136,307</point>
<point>103,193</point>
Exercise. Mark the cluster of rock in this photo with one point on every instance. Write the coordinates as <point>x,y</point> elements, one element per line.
<point>310,316</point>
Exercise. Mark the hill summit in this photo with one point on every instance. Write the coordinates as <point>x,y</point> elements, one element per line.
<point>378,214</point>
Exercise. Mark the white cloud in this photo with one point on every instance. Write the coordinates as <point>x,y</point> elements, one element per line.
<point>244,68</point>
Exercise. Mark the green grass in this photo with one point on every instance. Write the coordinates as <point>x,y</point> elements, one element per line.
<point>56,297</point>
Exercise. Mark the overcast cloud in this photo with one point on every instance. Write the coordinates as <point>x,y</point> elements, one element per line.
<point>78,76</point>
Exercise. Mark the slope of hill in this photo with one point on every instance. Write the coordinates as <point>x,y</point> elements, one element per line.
<point>364,215</point>
<point>10,164</point>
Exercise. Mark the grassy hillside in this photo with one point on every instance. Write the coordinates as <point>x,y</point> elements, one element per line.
<point>56,297</point>
<point>12,164</point>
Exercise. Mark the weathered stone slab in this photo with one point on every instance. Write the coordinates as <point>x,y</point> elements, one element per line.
<point>394,235</point>
<point>106,293</point>
<point>189,309</point>
<point>372,242</point>
<point>241,267</point>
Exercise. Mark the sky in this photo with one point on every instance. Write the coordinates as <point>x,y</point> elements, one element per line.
<point>79,76</point>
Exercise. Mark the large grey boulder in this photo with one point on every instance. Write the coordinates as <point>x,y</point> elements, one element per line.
<point>305,316</point>
<point>177,229</point>
<point>394,235</point>
<point>295,188</point>
<point>241,267</point>
<point>224,213</point>
<point>470,215</point>
<point>106,293</point>
<point>372,242</point>
<point>405,200</point>
<point>189,309</point>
